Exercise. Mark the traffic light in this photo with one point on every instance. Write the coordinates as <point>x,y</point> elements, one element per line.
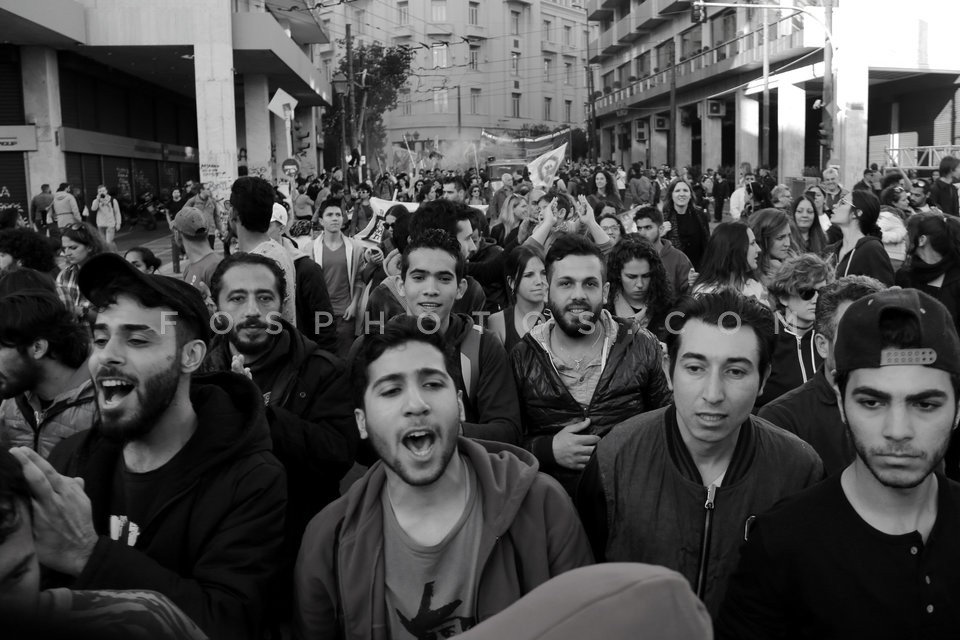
<point>698,13</point>
<point>825,133</point>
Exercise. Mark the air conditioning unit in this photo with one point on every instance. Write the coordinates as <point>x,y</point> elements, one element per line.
<point>641,133</point>
<point>661,123</point>
<point>716,108</point>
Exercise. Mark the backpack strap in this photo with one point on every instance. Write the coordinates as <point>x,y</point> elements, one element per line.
<point>470,359</point>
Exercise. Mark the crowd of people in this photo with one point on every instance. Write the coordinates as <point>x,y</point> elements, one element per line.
<point>403,408</point>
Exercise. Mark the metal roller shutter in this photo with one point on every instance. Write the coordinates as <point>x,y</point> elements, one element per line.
<point>13,183</point>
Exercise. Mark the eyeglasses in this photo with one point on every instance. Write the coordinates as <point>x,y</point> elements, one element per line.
<point>807,294</point>
<point>388,225</point>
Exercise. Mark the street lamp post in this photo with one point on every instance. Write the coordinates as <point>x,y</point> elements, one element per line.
<point>339,83</point>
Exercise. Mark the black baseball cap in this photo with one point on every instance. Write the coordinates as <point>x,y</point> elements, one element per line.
<point>859,345</point>
<point>109,269</point>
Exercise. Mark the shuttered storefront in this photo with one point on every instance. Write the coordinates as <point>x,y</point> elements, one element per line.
<point>13,175</point>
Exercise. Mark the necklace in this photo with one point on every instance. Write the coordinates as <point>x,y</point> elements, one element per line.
<point>578,362</point>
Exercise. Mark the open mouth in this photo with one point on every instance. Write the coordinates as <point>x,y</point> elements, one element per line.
<point>711,418</point>
<point>420,443</point>
<point>114,390</point>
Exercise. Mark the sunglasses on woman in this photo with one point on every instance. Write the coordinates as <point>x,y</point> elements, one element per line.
<point>807,294</point>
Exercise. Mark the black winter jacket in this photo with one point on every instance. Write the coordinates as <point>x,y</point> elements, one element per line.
<point>213,544</point>
<point>314,310</point>
<point>632,382</point>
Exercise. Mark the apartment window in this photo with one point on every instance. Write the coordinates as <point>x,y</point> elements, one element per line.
<point>406,106</point>
<point>514,23</point>
<point>515,105</point>
<point>548,69</point>
<point>474,102</point>
<point>515,63</point>
<point>440,100</point>
<point>360,21</point>
<point>440,55</point>
<point>724,27</point>
<point>567,35</point>
<point>568,73</point>
<point>547,109</point>
<point>403,13</point>
<point>474,61</point>
<point>568,110</point>
<point>548,30</point>
<point>690,41</point>
<point>326,69</point>
<point>438,10</point>
<point>643,64</point>
<point>473,13</point>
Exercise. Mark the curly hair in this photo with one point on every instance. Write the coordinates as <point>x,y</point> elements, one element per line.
<point>800,272</point>
<point>610,189</point>
<point>31,249</point>
<point>660,293</point>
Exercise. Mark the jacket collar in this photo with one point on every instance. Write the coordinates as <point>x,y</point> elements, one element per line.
<point>740,462</point>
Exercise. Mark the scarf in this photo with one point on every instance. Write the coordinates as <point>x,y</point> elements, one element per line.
<point>922,272</point>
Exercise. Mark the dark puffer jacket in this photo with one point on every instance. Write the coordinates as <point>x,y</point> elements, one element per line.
<point>632,382</point>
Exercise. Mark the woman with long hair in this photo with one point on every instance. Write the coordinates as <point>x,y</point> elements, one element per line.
<point>730,262</point>
<point>603,188</point>
<point>513,211</point>
<point>860,251</point>
<point>80,242</point>
<point>894,209</point>
<point>639,289</point>
<point>689,225</point>
<point>933,260</point>
<point>527,282</point>
<point>809,230</point>
<point>777,239</point>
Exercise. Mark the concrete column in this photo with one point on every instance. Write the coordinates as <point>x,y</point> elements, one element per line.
<point>658,146</point>
<point>256,117</point>
<point>41,102</point>
<point>851,88</point>
<point>748,130</point>
<point>711,139</point>
<point>684,154</point>
<point>279,129</point>
<point>791,115</point>
<point>216,100</point>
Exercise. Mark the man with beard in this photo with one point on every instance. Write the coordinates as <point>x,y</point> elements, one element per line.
<point>304,389</point>
<point>443,531</point>
<point>181,494</point>
<point>871,552</point>
<point>44,382</point>
<point>582,371</point>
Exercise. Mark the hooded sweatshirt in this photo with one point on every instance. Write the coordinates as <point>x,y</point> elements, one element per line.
<point>65,210</point>
<point>212,542</point>
<point>23,423</point>
<point>530,534</point>
<point>795,361</point>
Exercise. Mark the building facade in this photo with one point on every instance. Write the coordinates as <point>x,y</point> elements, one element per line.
<point>894,77</point>
<point>144,96</point>
<point>499,65</point>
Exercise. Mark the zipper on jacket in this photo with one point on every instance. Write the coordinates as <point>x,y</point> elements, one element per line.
<point>708,508</point>
<point>38,417</point>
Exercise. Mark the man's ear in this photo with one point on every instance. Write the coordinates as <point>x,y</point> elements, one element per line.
<point>192,355</point>
<point>832,378</point>
<point>606,292</point>
<point>361,418</point>
<point>665,365</point>
<point>39,349</point>
<point>463,411</point>
<point>461,288</point>
<point>764,377</point>
<point>823,345</point>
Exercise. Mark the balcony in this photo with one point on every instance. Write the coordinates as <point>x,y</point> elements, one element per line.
<point>627,29</point>
<point>609,43</point>
<point>613,4</point>
<point>674,5</point>
<point>595,54</point>
<point>789,38</point>
<point>475,31</point>
<point>648,14</point>
<point>403,31</point>
<point>597,11</point>
<point>546,45</point>
<point>439,29</point>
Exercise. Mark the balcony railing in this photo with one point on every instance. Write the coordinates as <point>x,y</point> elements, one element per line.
<point>921,157</point>
<point>788,36</point>
<point>597,11</point>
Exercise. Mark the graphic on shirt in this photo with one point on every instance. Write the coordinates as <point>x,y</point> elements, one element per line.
<point>431,624</point>
<point>121,528</point>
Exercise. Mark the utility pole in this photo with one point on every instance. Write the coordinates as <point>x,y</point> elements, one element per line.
<point>351,113</point>
<point>765,107</point>
<point>674,119</point>
<point>459,116</point>
<point>591,106</point>
<point>828,98</point>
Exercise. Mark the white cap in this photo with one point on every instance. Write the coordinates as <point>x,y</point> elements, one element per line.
<point>279,215</point>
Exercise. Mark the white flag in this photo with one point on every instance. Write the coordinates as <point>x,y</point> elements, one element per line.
<point>544,169</point>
